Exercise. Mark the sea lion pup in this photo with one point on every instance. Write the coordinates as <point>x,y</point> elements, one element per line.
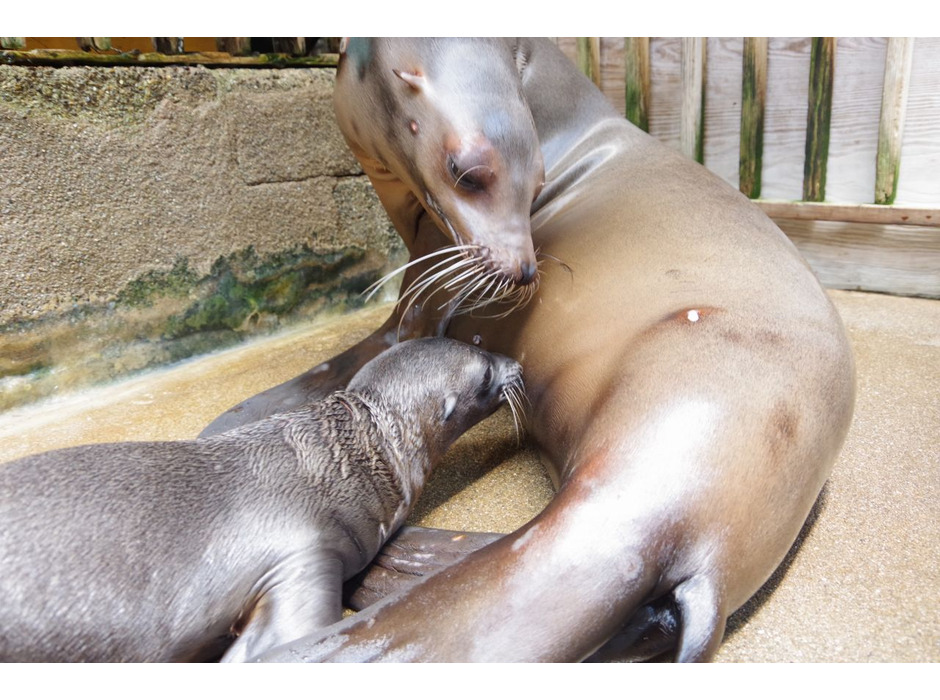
<point>690,382</point>
<point>164,551</point>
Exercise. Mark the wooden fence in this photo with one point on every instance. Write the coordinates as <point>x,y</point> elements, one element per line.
<point>710,99</point>
<point>857,119</point>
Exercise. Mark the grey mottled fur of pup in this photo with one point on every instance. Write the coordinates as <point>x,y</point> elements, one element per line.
<point>169,551</point>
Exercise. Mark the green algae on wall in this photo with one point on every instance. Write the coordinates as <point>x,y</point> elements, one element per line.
<point>242,287</point>
<point>170,315</point>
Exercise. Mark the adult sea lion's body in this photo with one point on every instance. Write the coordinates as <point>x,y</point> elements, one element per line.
<point>690,382</point>
<point>165,551</point>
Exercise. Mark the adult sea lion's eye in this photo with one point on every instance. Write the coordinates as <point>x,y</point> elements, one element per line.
<point>463,178</point>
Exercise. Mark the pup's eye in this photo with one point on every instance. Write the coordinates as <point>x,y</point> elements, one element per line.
<point>487,378</point>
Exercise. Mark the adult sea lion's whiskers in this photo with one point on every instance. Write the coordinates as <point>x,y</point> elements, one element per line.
<point>451,263</point>
<point>478,298</point>
<point>431,278</point>
<point>371,290</point>
<point>540,257</point>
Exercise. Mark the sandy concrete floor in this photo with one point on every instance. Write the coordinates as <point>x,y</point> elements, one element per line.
<point>863,584</point>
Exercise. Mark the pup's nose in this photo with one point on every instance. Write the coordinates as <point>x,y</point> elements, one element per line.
<point>527,272</point>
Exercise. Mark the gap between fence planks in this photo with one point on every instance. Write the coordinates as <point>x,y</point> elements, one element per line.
<point>692,127</point>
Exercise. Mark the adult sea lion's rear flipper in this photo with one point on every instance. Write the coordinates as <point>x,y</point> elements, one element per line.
<point>702,623</point>
<point>412,554</point>
<point>652,631</point>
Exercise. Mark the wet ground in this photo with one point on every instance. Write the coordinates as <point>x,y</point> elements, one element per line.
<point>864,584</point>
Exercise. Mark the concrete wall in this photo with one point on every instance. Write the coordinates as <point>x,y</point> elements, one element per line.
<point>148,214</point>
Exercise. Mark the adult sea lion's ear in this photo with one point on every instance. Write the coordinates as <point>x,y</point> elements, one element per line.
<point>416,81</point>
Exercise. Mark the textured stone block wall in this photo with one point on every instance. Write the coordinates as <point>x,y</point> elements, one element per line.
<point>148,214</point>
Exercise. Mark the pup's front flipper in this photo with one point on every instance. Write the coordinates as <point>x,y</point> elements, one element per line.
<point>412,554</point>
<point>299,597</point>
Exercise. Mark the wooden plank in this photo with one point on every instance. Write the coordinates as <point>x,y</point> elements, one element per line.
<point>891,125</point>
<point>637,80</point>
<point>52,57</point>
<point>856,213</point>
<point>890,259</point>
<point>295,46</point>
<point>821,70</point>
<point>167,44</point>
<point>753,96</point>
<point>692,132</point>
<point>589,57</point>
<point>234,45</point>
<point>13,42</point>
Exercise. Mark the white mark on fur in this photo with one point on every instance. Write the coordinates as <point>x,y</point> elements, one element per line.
<point>522,541</point>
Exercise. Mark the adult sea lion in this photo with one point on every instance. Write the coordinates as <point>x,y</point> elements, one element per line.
<point>166,551</point>
<point>690,382</point>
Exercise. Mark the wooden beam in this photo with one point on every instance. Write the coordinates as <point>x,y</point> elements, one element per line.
<point>753,96</point>
<point>54,57</point>
<point>822,67</point>
<point>853,213</point>
<point>891,125</point>
<point>636,56</point>
<point>870,257</point>
<point>692,127</point>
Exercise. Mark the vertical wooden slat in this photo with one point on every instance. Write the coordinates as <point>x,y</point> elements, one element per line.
<point>167,44</point>
<point>295,46</point>
<point>636,56</point>
<point>753,95</point>
<point>94,43</point>
<point>234,45</point>
<point>589,57</point>
<point>891,125</point>
<point>821,69</point>
<point>12,42</point>
<point>692,126</point>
